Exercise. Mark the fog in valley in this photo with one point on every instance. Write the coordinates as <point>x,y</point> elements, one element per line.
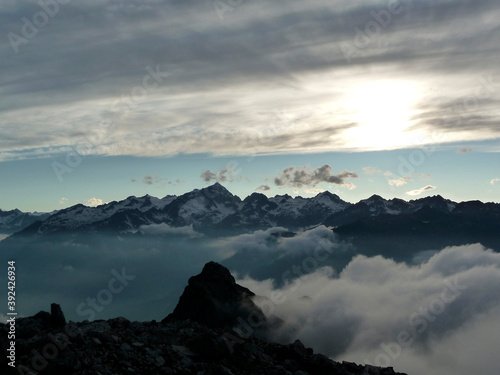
<point>416,315</point>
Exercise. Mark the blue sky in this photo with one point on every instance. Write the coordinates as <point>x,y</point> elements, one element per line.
<point>105,99</point>
<point>35,186</point>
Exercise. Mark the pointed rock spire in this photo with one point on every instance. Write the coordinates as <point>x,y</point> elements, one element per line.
<point>214,299</point>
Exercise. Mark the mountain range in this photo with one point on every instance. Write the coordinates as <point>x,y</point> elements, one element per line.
<point>15,220</point>
<point>216,211</point>
<point>430,222</point>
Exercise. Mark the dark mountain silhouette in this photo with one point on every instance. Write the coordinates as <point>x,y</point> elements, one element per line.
<point>15,220</point>
<point>185,343</point>
<point>213,298</point>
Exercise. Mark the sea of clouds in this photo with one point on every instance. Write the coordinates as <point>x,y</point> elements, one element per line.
<point>439,317</point>
<point>436,313</point>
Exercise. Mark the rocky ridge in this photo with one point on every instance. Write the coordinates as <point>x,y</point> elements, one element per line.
<point>203,345</point>
<point>213,299</point>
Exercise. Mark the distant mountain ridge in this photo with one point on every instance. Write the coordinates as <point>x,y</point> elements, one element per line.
<point>215,210</point>
<point>15,220</point>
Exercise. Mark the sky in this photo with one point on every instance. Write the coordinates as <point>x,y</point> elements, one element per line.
<point>100,100</point>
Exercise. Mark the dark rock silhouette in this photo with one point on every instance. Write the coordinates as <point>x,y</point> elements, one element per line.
<point>213,299</point>
<point>57,318</point>
<point>118,346</point>
<point>197,338</point>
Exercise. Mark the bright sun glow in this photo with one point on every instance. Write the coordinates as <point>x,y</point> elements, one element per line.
<point>382,111</point>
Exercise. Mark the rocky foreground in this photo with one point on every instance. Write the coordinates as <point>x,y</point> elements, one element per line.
<point>191,340</point>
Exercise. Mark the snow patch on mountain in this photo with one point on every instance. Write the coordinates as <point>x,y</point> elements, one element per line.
<point>80,215</point>
<point>288,205</point>
<point>216,209</point>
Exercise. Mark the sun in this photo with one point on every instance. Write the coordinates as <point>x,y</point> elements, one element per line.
<point>382,111</point>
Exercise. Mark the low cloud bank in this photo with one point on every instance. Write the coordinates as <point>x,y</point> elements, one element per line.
<point>267,253</point>
<point>439,317</point>
<point>165,229</point>
<point>437,314</point>
<point>282,240</point>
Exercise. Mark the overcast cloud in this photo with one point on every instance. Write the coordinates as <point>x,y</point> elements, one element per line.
<point>192,82</point>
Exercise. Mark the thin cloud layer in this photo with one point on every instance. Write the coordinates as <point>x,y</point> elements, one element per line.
<point>399,181</point>
<point>165,229</point>
<point>421,190</point>
<point>263,188</point>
